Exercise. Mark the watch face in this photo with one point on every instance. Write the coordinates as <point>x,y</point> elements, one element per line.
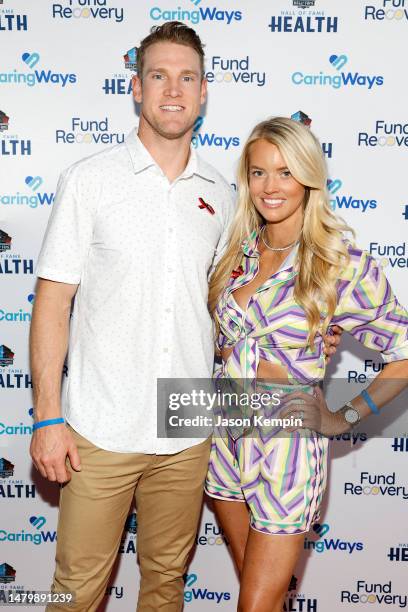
<point>351,415</point>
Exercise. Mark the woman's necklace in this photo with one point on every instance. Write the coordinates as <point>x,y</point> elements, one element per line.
<point>268,246</point>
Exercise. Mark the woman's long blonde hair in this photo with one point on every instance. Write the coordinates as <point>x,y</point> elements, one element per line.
<point>322,250</point>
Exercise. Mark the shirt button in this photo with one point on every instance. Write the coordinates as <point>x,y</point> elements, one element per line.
<point>170,270</point>
<point>165,350</point>
<point>168,310</point>
<point>171,230</point>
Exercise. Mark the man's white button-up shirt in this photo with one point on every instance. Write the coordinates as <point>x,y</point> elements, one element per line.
<point>140,249</point>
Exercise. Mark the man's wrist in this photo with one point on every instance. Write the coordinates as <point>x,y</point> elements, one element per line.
<point>41,413</point>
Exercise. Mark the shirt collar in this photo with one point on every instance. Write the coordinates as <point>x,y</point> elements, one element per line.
<point>250,248</point>
<point>141,159</point>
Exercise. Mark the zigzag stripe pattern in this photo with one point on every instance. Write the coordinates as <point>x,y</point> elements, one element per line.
<point>282,479</point>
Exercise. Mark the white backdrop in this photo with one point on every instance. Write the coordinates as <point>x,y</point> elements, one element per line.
<point>63,96</point>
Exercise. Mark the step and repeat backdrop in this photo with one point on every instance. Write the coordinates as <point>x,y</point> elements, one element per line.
<point>65,77</point>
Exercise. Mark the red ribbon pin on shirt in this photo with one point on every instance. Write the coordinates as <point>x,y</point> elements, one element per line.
<point>205,205</point>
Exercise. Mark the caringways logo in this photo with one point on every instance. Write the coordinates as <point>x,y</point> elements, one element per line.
<point>195,14</point>
<point>338,78</point>
<point>321,544</point>
<point>205,139</point>
<point>202,593</point>
<point>36,75</point>
<point>347,202</point>
<point>40,536</point>
<point>37,198</point>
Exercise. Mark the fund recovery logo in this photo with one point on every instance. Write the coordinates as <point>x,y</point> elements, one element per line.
<point>321,544</point>
<point>384,134</point>
<point>36,536</point>
<point>302,17</point>
<point>88,131</point>
<point>194,592</point>
<point>36,75</point>
<point>34,197</point>
<point>206,139</point>
<point>394,255</point>
<point>193,12</point>
<point>381,593</point>
<point>211,535</point>
<point>342,202</point>
<point>338,78</point>
<point>369,370</point>
<point>386,11</point>
<point>376,485</point>
<point>10,21</point>
<point>10,261</point>
<point>234,71</point>
<point>88,10</point>
<point>13,488</point>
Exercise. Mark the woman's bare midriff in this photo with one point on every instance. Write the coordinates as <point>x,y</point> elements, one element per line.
<point>266,369</point>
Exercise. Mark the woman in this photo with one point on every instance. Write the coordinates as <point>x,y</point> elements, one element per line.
<point>288,273</point>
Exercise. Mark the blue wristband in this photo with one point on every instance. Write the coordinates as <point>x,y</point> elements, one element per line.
<point>372,406</point>
<point>48,422</point>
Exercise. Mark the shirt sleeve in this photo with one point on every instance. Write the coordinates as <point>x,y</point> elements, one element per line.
<point>69,231</point>
<point>369,310</point>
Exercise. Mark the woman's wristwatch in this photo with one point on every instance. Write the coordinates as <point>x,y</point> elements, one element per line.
<point>351,414</point>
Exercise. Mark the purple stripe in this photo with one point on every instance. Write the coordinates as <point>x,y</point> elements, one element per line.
<point>254,500</point>
<point>291,333</point>
<point>299,499</point>
<point>292,463</point>
<point>225,463</point>
<point>274,499</point>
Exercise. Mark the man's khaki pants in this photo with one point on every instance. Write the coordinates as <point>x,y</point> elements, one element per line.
<point>168,491</point>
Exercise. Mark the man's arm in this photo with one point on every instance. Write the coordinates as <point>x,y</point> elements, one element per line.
<point>48,347</point>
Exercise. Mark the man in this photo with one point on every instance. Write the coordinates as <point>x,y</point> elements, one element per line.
<point>133,234</point>
<point>129,237</point>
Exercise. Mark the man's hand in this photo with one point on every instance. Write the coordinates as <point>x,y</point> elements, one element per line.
<point>49,449</point>
<point>331,342</point>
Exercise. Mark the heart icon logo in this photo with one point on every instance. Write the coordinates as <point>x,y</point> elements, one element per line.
<point>190,579</point>
<point>321,529</point>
